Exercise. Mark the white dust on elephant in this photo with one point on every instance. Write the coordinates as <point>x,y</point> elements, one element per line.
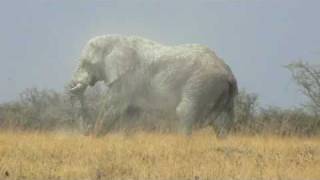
<point>187,81</point>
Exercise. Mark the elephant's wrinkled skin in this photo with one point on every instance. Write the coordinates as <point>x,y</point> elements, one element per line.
<point>187,79</point>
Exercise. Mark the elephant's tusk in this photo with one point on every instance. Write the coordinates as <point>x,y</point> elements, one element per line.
<point>76,87</point>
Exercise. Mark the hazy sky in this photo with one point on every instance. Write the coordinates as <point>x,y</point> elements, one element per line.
<point>40,40</point>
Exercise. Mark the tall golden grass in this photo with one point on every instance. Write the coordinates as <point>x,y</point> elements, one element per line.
<point>141,155</point>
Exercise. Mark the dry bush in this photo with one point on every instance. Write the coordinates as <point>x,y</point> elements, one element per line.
<point>275,120</point>
<point>49,110</point>
<point>254,119</point>
<point>38,109</point>
<point>246,106</point>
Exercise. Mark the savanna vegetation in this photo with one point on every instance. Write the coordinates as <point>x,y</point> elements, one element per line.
<point>143,155</point>
<point>44,110</point>
<point>41,139</point>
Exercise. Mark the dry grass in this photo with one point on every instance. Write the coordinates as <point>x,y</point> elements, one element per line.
<point>156,156</point>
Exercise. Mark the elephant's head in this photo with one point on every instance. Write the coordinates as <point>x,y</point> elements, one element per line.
<point>91,68</point>
<point>104,58</point>
<point>85,75</point>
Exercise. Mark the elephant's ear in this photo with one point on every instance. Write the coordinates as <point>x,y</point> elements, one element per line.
<point>120,61</point>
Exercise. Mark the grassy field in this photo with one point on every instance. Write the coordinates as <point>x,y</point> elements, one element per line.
<point>142,155</point>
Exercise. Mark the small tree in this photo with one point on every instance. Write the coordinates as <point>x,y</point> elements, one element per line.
<point>307,77</point>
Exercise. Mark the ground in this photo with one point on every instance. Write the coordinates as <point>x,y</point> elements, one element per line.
<point>142,155</point>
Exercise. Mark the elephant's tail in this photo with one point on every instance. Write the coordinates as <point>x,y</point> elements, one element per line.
<point>233,87</point>
<point>225,114</point>
<point>233,92</point>
<point>225,102</point>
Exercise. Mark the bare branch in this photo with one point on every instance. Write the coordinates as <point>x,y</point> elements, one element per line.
<point>307,78</point>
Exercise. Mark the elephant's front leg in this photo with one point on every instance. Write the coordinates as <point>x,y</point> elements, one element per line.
<point>109,114</point>
<point>106,120</point>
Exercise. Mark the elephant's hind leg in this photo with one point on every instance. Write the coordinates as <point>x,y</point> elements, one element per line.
<point>201,97</point>
<point>222,117</point>
<point>187,113</point>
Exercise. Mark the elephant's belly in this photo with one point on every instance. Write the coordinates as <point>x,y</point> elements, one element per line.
<point>169,82</point>
<point>158,98</point>
<point>165,91</point>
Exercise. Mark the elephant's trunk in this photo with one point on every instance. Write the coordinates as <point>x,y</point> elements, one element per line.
<point>79,82</point>
<point>76,89</point>
<point>76,92</point>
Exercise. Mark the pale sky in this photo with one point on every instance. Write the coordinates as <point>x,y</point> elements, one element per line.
<point>40,40</point>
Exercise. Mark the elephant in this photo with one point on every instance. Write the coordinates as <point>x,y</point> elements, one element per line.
<point>189,80</point>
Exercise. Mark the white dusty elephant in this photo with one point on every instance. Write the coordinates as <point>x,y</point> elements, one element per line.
<point>189,80</point>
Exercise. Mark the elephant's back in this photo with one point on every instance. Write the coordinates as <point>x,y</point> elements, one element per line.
<point>185,57</point>
<point>199,56</point>
<point>154,51</point>
<point>187,51</point>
